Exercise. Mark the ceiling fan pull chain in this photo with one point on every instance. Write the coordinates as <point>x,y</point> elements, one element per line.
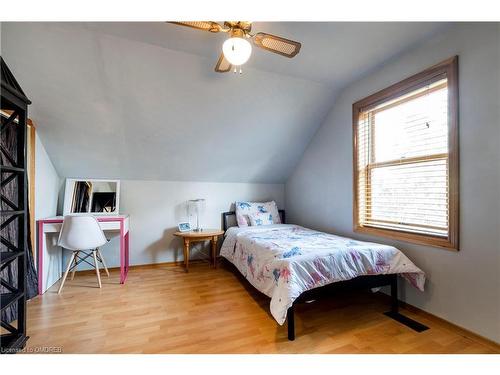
<point>236,69</point>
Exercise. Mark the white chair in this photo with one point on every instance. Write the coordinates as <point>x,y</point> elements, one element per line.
<point>82,234</point>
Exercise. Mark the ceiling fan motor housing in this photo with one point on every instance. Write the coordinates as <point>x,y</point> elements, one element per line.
<point>245,26</point>
<point>237,33</point>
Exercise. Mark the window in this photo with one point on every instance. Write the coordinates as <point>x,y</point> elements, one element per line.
<point>406,159</point>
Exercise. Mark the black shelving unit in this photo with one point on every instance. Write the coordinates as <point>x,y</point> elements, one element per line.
<point>14,212</point>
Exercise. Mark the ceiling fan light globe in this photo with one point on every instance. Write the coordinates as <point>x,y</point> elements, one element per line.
<point>237,50</point>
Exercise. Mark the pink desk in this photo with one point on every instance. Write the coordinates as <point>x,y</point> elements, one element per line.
<point>116,223</point>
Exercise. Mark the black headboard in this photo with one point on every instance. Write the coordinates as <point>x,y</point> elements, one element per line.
<point>229,219</point>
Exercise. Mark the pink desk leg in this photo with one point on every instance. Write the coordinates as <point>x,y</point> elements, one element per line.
<point>41,248</point>
<point>123,253</point>
<point>40,256</point>
<point>127,242</point>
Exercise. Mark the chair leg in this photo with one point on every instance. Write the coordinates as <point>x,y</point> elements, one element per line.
<point>66,273</point>
<point>102,261</point>
<point>94,253</point>
<point>75,264</point>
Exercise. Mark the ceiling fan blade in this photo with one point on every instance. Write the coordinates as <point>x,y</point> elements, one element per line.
<point>277,44</point>
<point>223,66</point>
<point>211,26</point>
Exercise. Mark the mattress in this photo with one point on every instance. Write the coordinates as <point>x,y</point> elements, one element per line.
<point>283,261</point>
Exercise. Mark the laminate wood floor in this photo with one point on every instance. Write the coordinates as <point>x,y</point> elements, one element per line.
<point>162,309</point>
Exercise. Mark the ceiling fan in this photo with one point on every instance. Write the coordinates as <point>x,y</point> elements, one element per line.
<point>236,50</point>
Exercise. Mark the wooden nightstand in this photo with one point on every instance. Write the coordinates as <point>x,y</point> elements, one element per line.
<point>205,235</point>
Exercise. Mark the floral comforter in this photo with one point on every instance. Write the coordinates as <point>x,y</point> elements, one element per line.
<point>283,260</point>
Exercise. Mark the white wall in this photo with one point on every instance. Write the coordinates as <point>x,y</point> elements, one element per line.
<point>156,207</point>
<point>47,185</point>
<point>463,287</point>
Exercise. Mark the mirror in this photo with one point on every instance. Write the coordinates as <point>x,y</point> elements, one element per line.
<point>95,196</point>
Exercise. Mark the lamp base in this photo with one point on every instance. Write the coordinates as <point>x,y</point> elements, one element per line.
<point>198,230</point>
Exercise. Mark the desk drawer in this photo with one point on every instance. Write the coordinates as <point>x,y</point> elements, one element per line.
<point>52,227</point>
<point>106,225</point>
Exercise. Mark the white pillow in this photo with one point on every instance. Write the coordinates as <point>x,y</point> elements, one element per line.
<point>245,209</point>
<point>260,218</point>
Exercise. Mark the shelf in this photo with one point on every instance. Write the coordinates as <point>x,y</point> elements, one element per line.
<point>13,168</point>
<point>7,299</point>
<point>7,256</point>
<point>7,168</point>
<point>11,341</point>
<point>11,213</point>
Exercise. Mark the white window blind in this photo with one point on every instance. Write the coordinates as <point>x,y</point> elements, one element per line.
<point>403,162</point>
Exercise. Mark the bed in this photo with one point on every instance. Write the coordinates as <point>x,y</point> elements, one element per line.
<point>292,264</point>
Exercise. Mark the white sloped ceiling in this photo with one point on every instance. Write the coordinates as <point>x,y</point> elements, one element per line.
<point>141,100</point>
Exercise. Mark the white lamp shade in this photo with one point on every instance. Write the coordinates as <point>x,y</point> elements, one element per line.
<point>196,207</point>
<point>237,50</point>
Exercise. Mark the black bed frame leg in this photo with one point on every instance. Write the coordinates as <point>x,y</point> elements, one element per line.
<point>394,294</point>
<point>394,313</point>
<point>291,323</point>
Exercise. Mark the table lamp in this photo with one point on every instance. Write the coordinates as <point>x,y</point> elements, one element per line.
<point>196,205</point>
